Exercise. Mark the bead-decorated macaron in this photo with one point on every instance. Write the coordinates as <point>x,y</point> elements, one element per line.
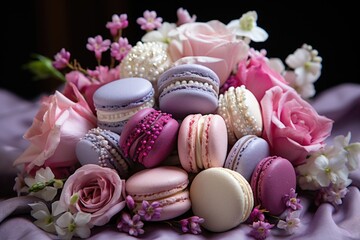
<point>222,197</point>
<point>100,146</point>
<point>188,89</point>
<point>246,153</point>
<point>149,137</point>
<point>271,180</point>
<point>116,101</point>
<point>202,142</point>
<point>242,113</point>
<point>167,185</point>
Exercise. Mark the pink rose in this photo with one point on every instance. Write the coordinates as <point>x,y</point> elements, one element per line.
<point>55,130</point>
<point>257,76</point>
<point>100,192</point>
<point>292,127</point>
<point>208,42</point>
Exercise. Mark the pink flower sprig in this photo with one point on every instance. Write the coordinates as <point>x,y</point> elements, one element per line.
<point>291,200</point>
<point>98,46</point>
<point>132,225</point>
<point>118,23</point>
<point>150,21</point>
<point>260,230</point>
<point>191,225</point>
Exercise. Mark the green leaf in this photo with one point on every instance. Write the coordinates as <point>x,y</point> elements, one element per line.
<point>42,68</point>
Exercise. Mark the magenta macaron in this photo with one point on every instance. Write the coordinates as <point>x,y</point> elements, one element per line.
<point>167,185</point>
<point>188,89</point>
<point>149,137</point>
<point>271,180</point>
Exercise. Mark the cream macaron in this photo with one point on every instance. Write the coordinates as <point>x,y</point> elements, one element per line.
<point>222,197</point>
<point>241,112</point>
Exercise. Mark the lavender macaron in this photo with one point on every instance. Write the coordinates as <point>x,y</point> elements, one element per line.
<point>100,147</point>
<point>188,89</point>
<point>246,153</point>
<point>116,101</point>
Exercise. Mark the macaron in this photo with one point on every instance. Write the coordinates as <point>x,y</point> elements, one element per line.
<point>202,142</point>
<point>222,197</point>
<point>116,101</point>
<point>168,185</point>
<point>188,89</point>
<point>101,147</point>
<point>242,113</point>
<point>246,153</point>
<point>272,178</point>
<point>149,137</point>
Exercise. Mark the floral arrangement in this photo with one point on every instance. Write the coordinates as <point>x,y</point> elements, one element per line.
<point>82,197</point>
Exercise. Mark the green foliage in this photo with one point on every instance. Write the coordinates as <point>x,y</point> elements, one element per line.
<point>42,68</point>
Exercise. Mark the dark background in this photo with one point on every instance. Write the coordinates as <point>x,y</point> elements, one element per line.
<point>44,27</point>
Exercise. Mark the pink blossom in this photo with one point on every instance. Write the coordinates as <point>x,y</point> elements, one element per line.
<point>98,45</point>
<point>131,225</point>
<point>130,203</point>
<point>55,130</point>
<point>150,211</point>
<point>149,22</point>
<point>292,201</point>
<point>291,126</point>
<point>62,59</point>
<point>256,215</point>
<point>232,81</point>
<point>184,17</point>
<point>191,224</point>
<point>118,22</point>
<point>99,191</point>
<point>120,49</point>
<point>260,230</point>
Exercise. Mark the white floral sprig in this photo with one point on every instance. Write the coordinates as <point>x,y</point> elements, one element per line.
<point>302,71</point>
<point>43,185</point>
<point>328,169</point>
<point>59,221</point>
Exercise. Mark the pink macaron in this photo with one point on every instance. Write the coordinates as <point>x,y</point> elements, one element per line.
<point>272,178</point>
<point>168,185</point>
<point>202,142</point>
<point>149,137</point>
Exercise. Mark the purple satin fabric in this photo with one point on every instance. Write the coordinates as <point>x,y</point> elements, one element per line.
<point>341,103</point>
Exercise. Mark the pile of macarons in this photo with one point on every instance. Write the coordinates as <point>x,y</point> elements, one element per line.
<point>179,142</point>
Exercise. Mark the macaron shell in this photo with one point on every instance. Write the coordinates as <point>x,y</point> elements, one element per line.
<point>215,141</point>
<point>156,183</point>
<point>245,154</point>
<point>222,197</point>
<point>173,206</point>
<point>122,92</point>
<point>187,142</point>
<point>271,180</point>
<point>185,101</point>
<point>163,145</point>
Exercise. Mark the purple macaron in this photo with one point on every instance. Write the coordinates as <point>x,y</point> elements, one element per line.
<point>273,178</point>
<point>188,89</point>
<point>246,153</point>
<point>149,137</point>
<point>101,147</point>
<point>116,101</point>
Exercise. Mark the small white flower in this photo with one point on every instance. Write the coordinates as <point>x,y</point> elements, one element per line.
<point>331,170</point>
<point>276,64</point>
<point>247,27</point>
<point>292,222</point>
<point>38,185</point>
<point>44,219</point>
<point>68,225</point>
<point>352,150</point>
<point>160,35</point>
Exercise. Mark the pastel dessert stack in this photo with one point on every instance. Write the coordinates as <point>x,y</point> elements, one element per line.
<point>185,146</point>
